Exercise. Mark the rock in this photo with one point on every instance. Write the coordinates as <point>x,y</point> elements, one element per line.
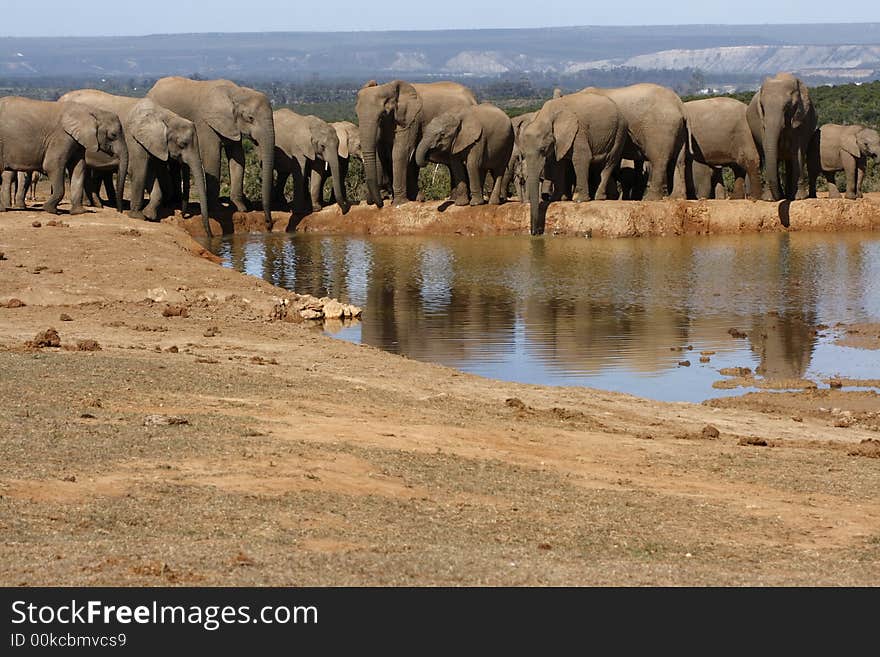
<point>164,420</point>
<point>704,359</point>
<point>684,363</point>
<point>736,333</point>
<point>88,345</point>
<point>710,431</point>
<point>707,353</point>
<point>211,332</point>
<point>2,255</point>
<point>309,313</point>
<point>14,303</point>
<point>869,447</point>
<point>175,311</point>
<point>835,383</point>
<point>333,310</point>
<point>352,311</point>
<point>47,338</point>
<point>157,294</point>
<point>753,441</point>
<point>36,224</point>
<point>64,317</point>
<point>735,371</point>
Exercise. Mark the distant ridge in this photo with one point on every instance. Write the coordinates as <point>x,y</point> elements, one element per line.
<point>833,51</point>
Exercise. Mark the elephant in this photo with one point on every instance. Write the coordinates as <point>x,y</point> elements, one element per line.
<point>587,129</point>
<point>48,136</point>
<point>153,135</point>
<point>476,140</point>
<point>304,144</point>
<point>841,147</point>
<point>657,134</point>
<point>515,171</point>
<point>391,118</point>
<point>349,146</point>
<point>631,179</point>
<point>782,119</point>
<point>719,136</point>
<point>222,112</point>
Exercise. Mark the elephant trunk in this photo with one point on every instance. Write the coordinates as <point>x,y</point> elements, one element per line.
<point>194,162</point>
<point>368,149</point>
<point>533,190</point>
<point>121,173</point>
<point>338,182</point>
<point>772,132</point>
<point>267,156</point>
<point>422,153</point>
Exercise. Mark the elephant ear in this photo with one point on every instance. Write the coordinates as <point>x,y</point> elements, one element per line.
<point>409,105</point>
<point>219,113</point>
<point>850,144</point>
<point>342,136</point>
<point>149,130</point>
<point>82,125</point>
<point>304,139</point>
<point>800,108</point>
<point>565,128</point>
<point>468,134</point>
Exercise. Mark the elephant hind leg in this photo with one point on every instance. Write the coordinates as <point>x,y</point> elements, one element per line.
<point>831,181</point>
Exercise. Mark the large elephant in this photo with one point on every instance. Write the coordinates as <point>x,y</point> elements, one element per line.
<point>782,119</point>
<point>657,134</point>
<point>153,135</point>
<point>516,172</point>
<point>349,146</point>
<point>222,112</point>
<point>304,144</point>
<point>476,140</point>
<point>841,148</point>
<point>719,136</point>
<point>587,129</point>
<point>49,136</point>
<point>391,118</point>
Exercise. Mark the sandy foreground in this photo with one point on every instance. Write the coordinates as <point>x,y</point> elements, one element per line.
<point>309,461</point>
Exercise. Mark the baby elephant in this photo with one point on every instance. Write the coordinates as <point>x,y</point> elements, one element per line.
<point>841,147</point>
<point>477,140</point>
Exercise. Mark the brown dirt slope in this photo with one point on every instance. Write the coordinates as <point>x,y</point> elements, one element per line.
<point>285,457</point>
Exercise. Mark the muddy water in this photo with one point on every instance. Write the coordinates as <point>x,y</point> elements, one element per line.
<point>611,314</point>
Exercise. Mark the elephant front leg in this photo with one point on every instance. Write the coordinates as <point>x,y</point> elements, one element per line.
<point>138,183</point>
<point>235,155</point>
<point>316,188</point>
<point>797,180</point>
<point>24,183</point>
<point>475,177</point>
<point>849,167</point>
<point>151,211</point>
<point>6,190</point>
<point>77,182</point>
<point>581,159</point>
<point>457,169</point>
<point>400,163</point>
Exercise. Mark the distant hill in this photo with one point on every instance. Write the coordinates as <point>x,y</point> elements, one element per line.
<point>820,53</point>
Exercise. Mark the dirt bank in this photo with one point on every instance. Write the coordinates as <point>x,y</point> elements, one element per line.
<point>602,219</point>
<point>222,446</point>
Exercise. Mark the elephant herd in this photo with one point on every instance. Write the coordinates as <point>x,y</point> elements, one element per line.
<point>634,142</point>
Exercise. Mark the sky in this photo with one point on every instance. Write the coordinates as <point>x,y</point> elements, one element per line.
<point>119,17</point>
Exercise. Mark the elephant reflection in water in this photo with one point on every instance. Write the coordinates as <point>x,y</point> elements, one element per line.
<point>422,308</point>
<point>628,319</point>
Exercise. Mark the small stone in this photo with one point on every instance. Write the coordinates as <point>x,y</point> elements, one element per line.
<point>333,310</point>
<point>736,333</point>
<point>64,317</point>
<point>835,383</point>
<point>211,332</point>
<point>86,416</point>
<point>753,441</point>
<point>707,353</point>
<point>545,546</point>
<point>36,224</point>
<point>797,418</point>
<point>14,303</point>
<point>711,432</point>
<point>164,420</point>
<point>2,255</point>
<point>88,345</point>
<point>47,338</point>
<point>70,478</point>
<point>684,363</point>
<point>308,313</point>
<point>352,311</point>
<point>172,349</point>
<point>704,359</point>
<point>175,311</point>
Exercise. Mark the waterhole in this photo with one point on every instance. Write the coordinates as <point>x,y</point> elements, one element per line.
<point>616,314</point>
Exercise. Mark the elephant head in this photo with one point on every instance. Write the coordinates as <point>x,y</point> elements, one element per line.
<point>782,104</point>
<point>349,139</point>
<point>233,111</point>
<point>322,142</point>
<point>397,100</point>
<point>99,130</point>
<point>862,143</point>
<point>165,135</point>
<point>449,133</point>
<point>548,138</point>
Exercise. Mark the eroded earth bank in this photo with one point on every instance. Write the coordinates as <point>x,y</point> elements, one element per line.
<point>184,432</point>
